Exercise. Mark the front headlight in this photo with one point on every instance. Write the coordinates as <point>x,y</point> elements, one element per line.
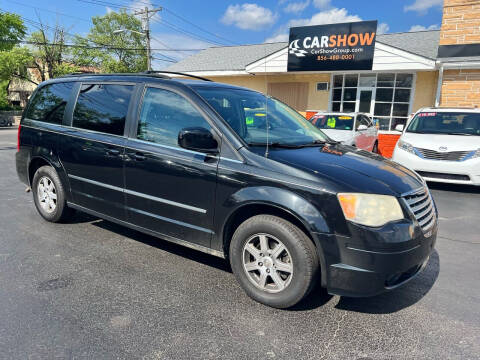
<point>476,154</point>
<point>405,146</point>
<point>370,209</point>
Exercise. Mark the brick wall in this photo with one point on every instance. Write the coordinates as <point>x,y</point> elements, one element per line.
<point>461,87</point>
<point>460,22</point>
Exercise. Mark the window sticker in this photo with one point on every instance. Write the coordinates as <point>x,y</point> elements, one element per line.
<point>331,121</point>
<point>345,117</point>
<point>249,120</point>
<point>428,114</point>
<point>260,114</point>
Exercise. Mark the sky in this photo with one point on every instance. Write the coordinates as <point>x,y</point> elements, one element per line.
<point>197,24</point>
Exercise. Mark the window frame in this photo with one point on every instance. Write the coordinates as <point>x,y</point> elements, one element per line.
<point>132,133</point>
<point>131,105</point>
<point>66,112</point>
<point>390,118</point>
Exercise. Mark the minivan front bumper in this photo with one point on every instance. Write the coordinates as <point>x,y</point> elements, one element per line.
<point>370,262</point>
<point>457,172</point>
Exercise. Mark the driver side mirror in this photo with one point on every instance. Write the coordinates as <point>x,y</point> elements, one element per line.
<point>197,139</point>
<point>362,127</point>
<point>400,127</point>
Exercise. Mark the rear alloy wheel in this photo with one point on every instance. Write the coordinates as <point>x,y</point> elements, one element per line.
<point>274,261</point>
<point>49,195</point>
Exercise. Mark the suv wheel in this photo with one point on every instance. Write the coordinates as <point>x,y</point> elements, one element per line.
<point>49,195</point>
<point>273,260</point>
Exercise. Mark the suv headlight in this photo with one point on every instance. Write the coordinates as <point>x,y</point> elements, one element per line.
<point>476,154</point>
<point>370,209</point>
<point>405,146</point>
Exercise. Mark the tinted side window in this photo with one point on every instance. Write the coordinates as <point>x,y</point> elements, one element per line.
<point>164,114</point>
<point>102,107</point>
<point>49,103</point>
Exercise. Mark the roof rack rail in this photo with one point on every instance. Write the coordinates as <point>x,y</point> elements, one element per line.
<point>109,74</point>
<point>149,72</point>
<point>175,73</point>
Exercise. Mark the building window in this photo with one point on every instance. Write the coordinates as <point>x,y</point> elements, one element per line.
<point>322,86</point>
<point>390,92</point>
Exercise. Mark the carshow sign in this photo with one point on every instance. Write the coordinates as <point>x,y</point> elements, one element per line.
<point>347,46</point>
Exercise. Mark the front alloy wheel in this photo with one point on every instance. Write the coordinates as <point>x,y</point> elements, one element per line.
<point>274,261</point>
<point>267,263</point>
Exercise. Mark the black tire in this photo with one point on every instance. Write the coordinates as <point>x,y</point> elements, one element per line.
<point>301,250</point>
<point>375,148</point>
<point>61,212</point>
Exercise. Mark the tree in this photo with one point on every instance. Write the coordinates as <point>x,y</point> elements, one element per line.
<point>12,30</point>
<point>49,53</point>
<point>109,51</point>
<point>14,63</point>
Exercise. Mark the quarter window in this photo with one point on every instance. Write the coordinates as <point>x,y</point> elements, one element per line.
<point>102,107</point>
<point>164,114</point>
<point>49,103</point>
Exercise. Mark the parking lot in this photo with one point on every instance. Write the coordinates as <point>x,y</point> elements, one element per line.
<point>93,289</point>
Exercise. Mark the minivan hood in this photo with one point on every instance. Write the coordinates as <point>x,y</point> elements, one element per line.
<point>435,141</point>
<point>345,136</point>
<point>355,170</point>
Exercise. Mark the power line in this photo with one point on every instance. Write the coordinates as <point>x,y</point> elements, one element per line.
<point>48,10</point>
<point>186,32</point>
<point>198,27</point>
<point>172,61</point>
<point>163,22</point>
<point>97,47</point>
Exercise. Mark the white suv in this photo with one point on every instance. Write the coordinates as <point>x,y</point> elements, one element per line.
<point>442,144</point>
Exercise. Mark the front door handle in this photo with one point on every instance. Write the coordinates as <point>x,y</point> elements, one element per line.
<point>113,152</point>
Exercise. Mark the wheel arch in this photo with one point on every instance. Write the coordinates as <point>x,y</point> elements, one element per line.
<point>36,163</point>
<point>287,205</point>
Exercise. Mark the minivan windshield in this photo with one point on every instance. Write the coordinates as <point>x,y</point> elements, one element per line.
<point>334,122</point>
<point>447,123</point>
<point>260,119</point>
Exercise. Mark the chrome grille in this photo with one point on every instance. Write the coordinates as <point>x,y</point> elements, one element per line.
<point>447,155</point>
<point>421,205</point>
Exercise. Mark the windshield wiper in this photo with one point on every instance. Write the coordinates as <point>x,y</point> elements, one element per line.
<point>320,142</point>
<point>274,145</point>
<point>294,146</point>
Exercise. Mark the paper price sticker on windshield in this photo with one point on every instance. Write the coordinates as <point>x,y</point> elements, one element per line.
<point>249,120</point>
<point>345,117</point>
<point>428,114</point>
<point>331,122</point>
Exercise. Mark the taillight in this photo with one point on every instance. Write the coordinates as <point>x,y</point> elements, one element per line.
<point>18,137</point>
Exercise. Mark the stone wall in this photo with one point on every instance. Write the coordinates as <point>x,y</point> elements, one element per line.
<point>460,22</point>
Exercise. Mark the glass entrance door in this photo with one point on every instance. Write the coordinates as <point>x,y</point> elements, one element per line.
<point>365,100</point>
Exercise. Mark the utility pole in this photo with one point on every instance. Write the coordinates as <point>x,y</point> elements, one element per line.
<point>146,15</point>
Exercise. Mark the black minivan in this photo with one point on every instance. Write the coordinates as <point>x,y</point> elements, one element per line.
<point>231,172</point>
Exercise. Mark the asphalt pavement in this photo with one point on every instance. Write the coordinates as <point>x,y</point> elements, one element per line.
<point>92,289</point>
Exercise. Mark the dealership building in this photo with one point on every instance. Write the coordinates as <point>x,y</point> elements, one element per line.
<point>408,71</point>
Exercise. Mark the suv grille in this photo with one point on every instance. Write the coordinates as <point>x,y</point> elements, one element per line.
<point>421,205</point>
<point>448,156</point>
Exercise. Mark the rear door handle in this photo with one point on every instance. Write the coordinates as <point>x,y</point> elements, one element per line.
<point>139,156</point>
<point>113,152</point>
